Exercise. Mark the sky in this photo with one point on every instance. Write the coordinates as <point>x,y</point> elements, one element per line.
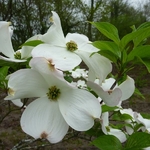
<point>137,3</point>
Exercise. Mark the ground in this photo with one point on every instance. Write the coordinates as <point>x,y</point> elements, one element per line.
<point>11,135</point>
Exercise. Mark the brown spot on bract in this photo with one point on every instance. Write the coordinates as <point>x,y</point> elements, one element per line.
<point>44,135</point>
<point>110,91</point>
<point>51,65</point>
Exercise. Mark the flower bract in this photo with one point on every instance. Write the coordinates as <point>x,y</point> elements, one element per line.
<point>58,104</point>
<point>6,47</point>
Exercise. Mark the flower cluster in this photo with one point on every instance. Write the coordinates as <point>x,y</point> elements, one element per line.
<point>60,103</point>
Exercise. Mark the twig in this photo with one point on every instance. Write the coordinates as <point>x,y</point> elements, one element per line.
<point>11,110</point>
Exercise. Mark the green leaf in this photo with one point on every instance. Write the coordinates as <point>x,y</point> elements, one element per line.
<point>108,54</point>
<point>107,142</point>
<point>32,43</point>
<point>14,65</point>
<point>106,108</point>
<point>137,37</point>
<point>145,115</point>
<point>109,30</point>
<point>68,78</point>
<point>124,56</point>
<point>138,141</point>
<point>145,62</point>
<point>7,63</point>
<point>121,117</point>
<point>120,126</point>
<point>138,93</point>
<point>108,45</point>
<point>3,72</point>
<point>144,25</point>
<point>137,127</point>
<point>141,51</point>
<point>95,130</point>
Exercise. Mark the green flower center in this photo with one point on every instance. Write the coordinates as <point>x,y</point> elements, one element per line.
<point>53,93</point>
<point>107,128</point>
<point>17,55</point>
<point>72,46</point>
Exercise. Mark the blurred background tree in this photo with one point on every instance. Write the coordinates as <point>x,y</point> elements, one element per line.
<point>30,17</point>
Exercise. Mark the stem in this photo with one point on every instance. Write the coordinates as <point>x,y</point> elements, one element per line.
<point>114,84</point>
<point>11,110</point>
<point>9,113</point>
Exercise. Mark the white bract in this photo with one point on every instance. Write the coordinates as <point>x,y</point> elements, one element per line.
<point>99,66</point>
<point>6,44</point>
<point>58,103</point>
<point>145,122</point>
<point>148,148</point>
<point>127,87</point>
<point>130,122</point>
<point>109,130</point>
<point>113,97</point>
<point>55,47</point>
<point>68,52</point>
<point>26,49</point>
<point>17,102</point>
<point>136,118</point>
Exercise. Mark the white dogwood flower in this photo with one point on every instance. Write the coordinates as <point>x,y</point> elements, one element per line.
<point>131,122</point>
<point>6,47</point>
<point>79,73</point>
<point>113,97</point>
<point>140,120</point>
<point>99,66</point>
<point>58,103</point>
<point>68,52</point>
<point>127,87</point>
<point>108,130</point>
